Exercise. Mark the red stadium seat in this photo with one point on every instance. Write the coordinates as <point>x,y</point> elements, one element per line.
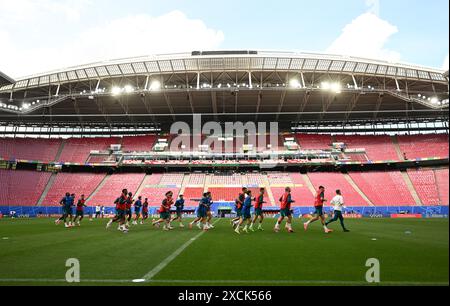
<point>77,150</point>
<point>138,143</point>
<point>302,196</point>
<point>113,186</point>
<point>423,146</point>
<point>43,150</point>
<point>155,196</point>
<point>333,182</point>
<point>78,183</point>
<point>377,147</point>
<point>384,188</point>
<point>424,182</point>
<point>313,141</point>
<point>442,177</point>
<point>22,188</point>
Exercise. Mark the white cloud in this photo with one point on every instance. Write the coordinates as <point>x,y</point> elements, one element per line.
<point>446,64</point>
<point>366,36</point>
<point>19,11</point>
<point>134,35</point>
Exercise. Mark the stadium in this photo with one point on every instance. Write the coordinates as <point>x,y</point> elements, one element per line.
<point>375,130</point>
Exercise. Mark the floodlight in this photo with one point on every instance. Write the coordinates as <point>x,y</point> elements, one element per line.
<point>155,85</point>
<point>116,91</point>
<point>294,83</point>
<point>128,89</point>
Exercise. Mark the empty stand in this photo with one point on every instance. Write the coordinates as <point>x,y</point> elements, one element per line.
<point>226,180</point>
<point>424,182</point>
<point>78,183</point>
<point>333,182</point>
<point>113,186</point>
<point>313,141</point>
<point>44,150</point>
<point>384,188</point>
<point>22,188</point>
<point>192,195</point>
<point>77,150</point>
<point>225,194</point>
<point>197,179</point>
<point>423,146</point>
<point>138,143</point>
<point>377,147</point>
<point>279,179</point>
<point>172,179</point>
<point>256,179</point>
<point>443,186</point>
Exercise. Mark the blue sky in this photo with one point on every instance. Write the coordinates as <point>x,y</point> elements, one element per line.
<point>41,35</point>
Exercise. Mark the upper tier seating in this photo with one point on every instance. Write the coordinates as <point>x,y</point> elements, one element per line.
<point>43,150</point>
<point>377,147</point>
<point>314,141</point>
<point>22,188</point>
<point>77,183</point>
<point>113,186</point>
<point>138,143</point>
<point>384,188</point>
<point>333,182</point>
<point>423,146</point>
<point>77,150</point>
<point>443,186</point>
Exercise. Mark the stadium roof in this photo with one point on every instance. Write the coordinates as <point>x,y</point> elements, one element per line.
<point>5,80</point>
<point>228,86</point>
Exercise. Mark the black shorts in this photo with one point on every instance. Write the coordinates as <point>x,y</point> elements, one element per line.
<point>79,213</point>
<point>319,211</point>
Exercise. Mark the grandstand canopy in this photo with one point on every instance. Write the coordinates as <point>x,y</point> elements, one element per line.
<point>5,80</point>
<point>228,86</point>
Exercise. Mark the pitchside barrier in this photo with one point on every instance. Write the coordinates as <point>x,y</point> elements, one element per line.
<point>227,209</point>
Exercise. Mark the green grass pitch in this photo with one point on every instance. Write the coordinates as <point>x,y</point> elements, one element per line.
<point>411,252</point>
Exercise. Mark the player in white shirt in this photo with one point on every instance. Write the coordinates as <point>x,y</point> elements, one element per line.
<point>338,203</point>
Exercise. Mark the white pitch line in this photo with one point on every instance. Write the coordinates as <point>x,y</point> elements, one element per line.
<point>174,255</point>
<point>224,282</point>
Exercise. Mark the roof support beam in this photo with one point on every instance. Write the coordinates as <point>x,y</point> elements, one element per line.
<point>303,104</point>
<point>326,105</point>
<point>214,104</point>
<point>258,105</point>
<point>352,104</point>
<point>169,105</point>
<point>378,106</point>
<point>148,107</point>
<point>191,101</point>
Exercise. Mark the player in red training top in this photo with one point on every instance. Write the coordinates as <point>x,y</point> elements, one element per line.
<point>285,211</point>
<point>318,205</point>
<point>121,205</point>
<point>164,212</point>
<point>80,210</point>
<point>259,202</point>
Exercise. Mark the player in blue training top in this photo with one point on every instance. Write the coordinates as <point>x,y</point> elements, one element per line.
<point>246,213</point>
<point>179,205</point>
<point>66,203</point>
<point>137,210</point>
